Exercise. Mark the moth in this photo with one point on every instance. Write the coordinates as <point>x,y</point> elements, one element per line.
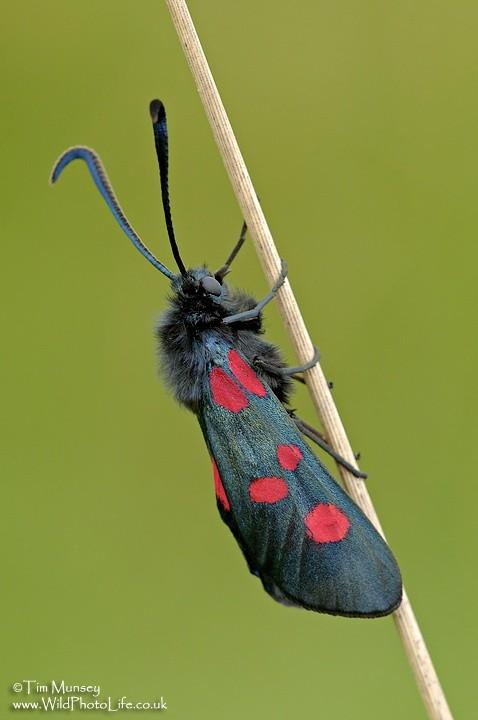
<point>299,531</point>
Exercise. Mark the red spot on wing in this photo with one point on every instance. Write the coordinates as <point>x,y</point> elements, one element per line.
<point>289,456</point>
<point>219,487</point>
<point>245,374</point>
<point>326,523</point>
<point>226,392</point>
<point>268,489</point>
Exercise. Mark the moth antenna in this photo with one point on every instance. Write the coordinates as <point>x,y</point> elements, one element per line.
<point>160,130</point>
<point>100,178</point>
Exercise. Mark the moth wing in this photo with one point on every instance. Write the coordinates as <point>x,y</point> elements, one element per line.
<point>299,531</point>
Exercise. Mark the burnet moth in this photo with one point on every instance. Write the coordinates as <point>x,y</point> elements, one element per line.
<point>300,533</point>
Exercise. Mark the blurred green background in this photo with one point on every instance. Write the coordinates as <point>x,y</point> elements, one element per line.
<point>358,121</point>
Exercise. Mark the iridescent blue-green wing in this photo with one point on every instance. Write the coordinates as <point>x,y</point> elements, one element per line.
<point>299,531</point>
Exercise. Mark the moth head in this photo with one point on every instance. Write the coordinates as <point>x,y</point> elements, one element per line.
<point>201,285</point>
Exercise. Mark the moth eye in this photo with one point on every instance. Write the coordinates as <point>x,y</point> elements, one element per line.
<point>211,285</point>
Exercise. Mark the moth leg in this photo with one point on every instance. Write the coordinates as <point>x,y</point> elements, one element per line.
<point>291,371</point>
<point>256,311</point>
<point>223,271</point>
<point>316,437</point>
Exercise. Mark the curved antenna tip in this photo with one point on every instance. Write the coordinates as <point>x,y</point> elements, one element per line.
<point>157,111</point>
<point>72,153</point>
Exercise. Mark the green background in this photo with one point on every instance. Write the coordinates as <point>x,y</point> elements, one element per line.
<point>359,125</point>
